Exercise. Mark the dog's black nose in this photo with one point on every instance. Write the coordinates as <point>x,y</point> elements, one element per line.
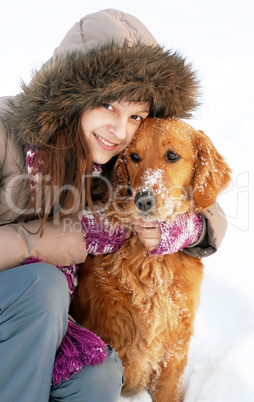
<point>144,201</point>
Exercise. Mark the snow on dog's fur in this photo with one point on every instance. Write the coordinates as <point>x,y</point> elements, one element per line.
<point>143,305</point>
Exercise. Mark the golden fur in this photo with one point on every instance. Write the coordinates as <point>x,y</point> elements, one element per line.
<point>143,305</point>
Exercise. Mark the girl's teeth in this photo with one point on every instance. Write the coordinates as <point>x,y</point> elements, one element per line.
<point>109,144</point>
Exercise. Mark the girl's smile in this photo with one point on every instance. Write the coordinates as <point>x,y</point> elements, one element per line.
<point>104,143</point>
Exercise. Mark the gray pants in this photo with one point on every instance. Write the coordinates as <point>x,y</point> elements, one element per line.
<point>34,301</point>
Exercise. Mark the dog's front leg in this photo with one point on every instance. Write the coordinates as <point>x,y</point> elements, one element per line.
<point>166,387</point>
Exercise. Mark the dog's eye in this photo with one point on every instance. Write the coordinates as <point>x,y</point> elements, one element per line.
<point>172,157</point>
<point>135,157</point>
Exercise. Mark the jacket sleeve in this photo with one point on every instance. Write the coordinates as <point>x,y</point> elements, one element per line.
<point>61,244</point>
<point>214,229</point>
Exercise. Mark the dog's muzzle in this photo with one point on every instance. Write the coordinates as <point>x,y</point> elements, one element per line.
<point>144,201</point>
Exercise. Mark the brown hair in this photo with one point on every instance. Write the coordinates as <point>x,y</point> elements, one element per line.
<point>65,172</point>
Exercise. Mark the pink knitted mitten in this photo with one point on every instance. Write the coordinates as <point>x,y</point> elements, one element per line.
<point>101,238</point>
<point>176,235</point>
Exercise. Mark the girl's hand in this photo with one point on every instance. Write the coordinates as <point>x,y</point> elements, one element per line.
<point>149,233</point>
<point>168,237</point>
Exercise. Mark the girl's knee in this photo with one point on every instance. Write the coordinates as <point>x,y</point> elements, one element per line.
<point>50,287</point>
<point>38,288</point>
<point>35,301</point>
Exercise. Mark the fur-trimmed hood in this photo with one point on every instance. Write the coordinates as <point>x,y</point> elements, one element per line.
<point>76,80</point>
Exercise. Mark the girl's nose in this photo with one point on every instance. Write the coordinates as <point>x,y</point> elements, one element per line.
<point>119,128</point>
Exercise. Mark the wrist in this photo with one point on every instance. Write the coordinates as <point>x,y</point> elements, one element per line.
<point>101,237</point>
<point>182,232</point>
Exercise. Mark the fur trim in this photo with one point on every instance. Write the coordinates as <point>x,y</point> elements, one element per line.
<point>64,87</point>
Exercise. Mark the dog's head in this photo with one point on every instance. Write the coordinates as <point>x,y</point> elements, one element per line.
<point>170,168</point>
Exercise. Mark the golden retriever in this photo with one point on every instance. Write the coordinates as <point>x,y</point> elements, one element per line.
<point>143,305</point>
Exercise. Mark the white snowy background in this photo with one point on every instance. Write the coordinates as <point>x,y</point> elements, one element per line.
<point>217,36</point>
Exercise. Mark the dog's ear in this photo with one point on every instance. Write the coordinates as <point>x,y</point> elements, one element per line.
<point>121,178</point>
<point>212,173</point>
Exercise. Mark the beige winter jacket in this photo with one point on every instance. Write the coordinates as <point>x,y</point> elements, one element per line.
<point>61,243</point>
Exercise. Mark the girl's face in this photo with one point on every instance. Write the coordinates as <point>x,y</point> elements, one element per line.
<point>110,128</point>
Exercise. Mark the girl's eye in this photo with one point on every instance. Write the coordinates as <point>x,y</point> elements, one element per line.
<point>171,157</point>
<point>108,106</point>
<point>134,157</point>
<point>136,117</point>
